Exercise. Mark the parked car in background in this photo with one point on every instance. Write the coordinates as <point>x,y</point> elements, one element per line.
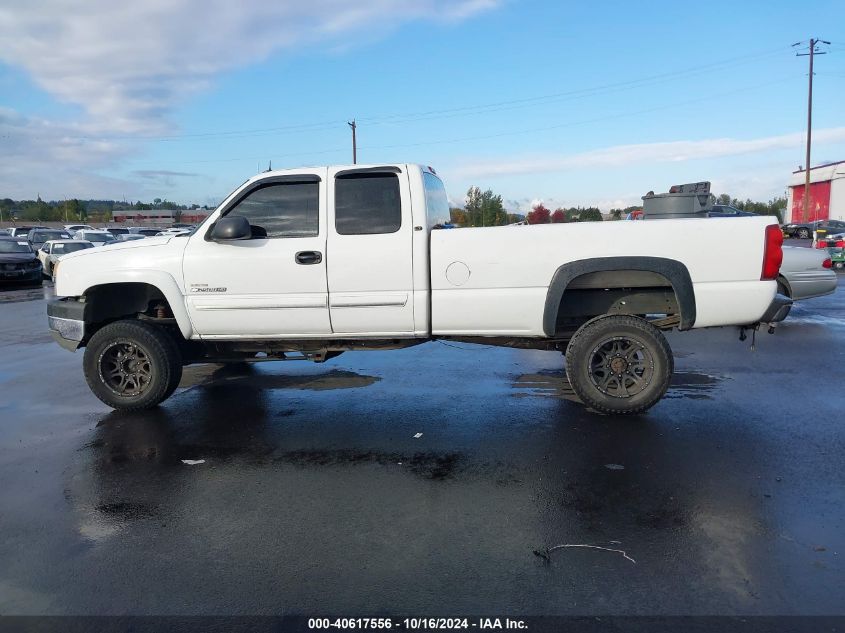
<point>130,237</point>
<point>727,211</point>
<point>146,232</point>
<point>98,238</point>
<point>37,237</point>
<point>805,230</point>
<point>116,230</point>
<point>73,228</point>
<point>18,262</point>
<point>806,273</point>
<point>51,251</point>
<point>23,231</point>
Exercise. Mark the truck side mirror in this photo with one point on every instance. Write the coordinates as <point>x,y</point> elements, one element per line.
<point>231,227</point>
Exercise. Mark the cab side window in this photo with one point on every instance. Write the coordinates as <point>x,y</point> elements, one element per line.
<point>283,210</point>
<point>367,204</point>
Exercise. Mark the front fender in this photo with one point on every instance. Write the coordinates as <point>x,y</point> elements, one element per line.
<point>161,280</point>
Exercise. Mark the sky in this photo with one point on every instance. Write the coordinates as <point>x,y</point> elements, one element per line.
<point>571,104</point>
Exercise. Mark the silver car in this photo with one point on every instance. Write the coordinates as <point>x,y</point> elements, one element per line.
<point>804,275</point>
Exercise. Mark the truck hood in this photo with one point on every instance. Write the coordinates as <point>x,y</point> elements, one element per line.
<point>148,242</point>
<point>131,262</point>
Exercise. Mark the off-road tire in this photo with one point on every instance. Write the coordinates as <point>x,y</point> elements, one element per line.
<point>647,366</point>
<point>156,356</point>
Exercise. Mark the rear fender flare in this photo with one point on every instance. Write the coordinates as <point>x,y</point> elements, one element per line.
<point>674,271</point>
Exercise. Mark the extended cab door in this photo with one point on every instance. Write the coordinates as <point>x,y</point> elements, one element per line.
<point>273,285</point>
<point>370,251</point>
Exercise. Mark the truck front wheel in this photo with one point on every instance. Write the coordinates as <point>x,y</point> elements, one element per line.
<point>619,364</point>
<point>132,365</point>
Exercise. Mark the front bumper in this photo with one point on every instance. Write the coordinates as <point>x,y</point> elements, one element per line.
<point>28,275</point>
<point>66,320</point>
<point>778,309</point>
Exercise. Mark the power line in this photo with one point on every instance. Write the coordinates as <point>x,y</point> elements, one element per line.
<point>627,113</point>
<point>468,110</point>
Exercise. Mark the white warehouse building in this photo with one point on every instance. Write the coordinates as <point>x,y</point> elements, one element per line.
<point>827,194</point>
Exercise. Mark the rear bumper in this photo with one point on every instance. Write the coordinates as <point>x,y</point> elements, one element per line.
<point>806,285</point>
<point>66,320</point>
<point>778,309</point>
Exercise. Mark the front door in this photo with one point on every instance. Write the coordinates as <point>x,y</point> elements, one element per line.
<point>371,289</point>
<point>273,285</point>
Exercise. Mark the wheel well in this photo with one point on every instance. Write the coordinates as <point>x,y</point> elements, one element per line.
<point>783,282</point>
<point>620,285</point>
<point>110,302</point>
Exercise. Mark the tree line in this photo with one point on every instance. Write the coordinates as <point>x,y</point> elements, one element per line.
<point>81,210</point>
<point>485,208</point>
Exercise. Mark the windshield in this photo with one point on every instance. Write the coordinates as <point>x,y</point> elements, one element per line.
<point>14,246</point>
<point>43,236</point>
<point>99,237</point>
<point>62,249</point>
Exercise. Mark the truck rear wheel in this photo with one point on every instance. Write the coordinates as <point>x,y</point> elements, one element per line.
<point>619,364</point>
<point>132,365</point>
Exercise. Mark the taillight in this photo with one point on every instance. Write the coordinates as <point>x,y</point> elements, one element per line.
<point>821,244</point>
<point>772,252</point>
<point>839,244</point>
<point>827,263</point>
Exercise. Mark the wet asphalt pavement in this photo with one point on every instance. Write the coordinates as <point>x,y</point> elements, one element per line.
<point>316,496</point>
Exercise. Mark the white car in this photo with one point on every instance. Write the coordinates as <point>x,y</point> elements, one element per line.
<point>73,228</point>
<point>313,262</point>
<point>52,250</point>
<point>95,236</point>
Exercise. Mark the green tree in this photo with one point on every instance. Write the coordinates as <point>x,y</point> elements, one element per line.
<point>473,206</point>
<point>484,208</point>
<point>590,214</point>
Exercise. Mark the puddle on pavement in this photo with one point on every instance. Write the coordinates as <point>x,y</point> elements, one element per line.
<point>693,386</point>
<point>244,373</point>
<point>10,294</point>
<point>548,383</point>
<point>430,465</point>
<point>552,383</point>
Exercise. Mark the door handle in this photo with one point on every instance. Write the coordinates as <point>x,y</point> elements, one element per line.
<point>309,257</point>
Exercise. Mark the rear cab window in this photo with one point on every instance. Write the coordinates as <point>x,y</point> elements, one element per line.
<point>367,203</point>
<point>436,201</point>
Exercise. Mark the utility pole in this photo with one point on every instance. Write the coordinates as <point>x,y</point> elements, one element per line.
<point>812,51</point>
<point>354,142</point>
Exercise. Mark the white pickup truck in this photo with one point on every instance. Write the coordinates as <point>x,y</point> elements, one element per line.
<point>310,263</point>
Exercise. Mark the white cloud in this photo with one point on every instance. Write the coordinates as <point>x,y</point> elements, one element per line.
<point>128,63</point>
<point>55,160</point>
<point>621,155</point>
